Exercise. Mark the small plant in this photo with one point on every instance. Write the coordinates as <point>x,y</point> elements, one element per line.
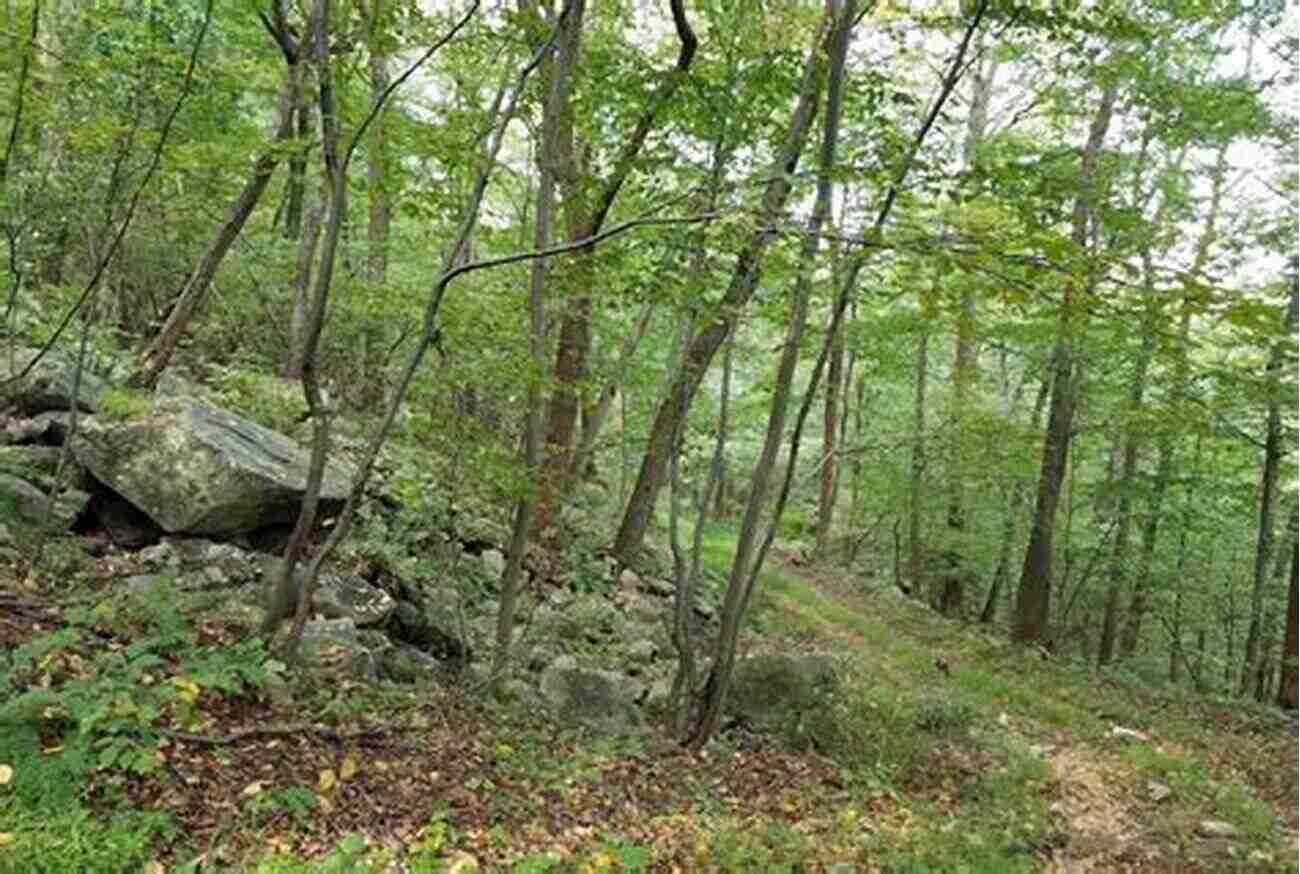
<point>119,403</point>
<point>273,403</point>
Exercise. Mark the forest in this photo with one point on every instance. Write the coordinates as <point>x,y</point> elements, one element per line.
<point>899,397</point>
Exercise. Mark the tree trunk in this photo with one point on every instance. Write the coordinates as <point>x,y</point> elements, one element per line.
<point>1268,481</point>
<point>585,220</point>
<point>915,546</point>
<point>830,432</point>
<point>964,365</point>
<point>1033,600</point>
<point>296,354</point>
<point>741,582</point>
<point>159,352</point>
<point>296,195</point>
<point>547,159</point>
<point>705,344</point>
<point>1288,691</point>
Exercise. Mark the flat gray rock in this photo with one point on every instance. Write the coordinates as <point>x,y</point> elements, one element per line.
<point>194,467</point>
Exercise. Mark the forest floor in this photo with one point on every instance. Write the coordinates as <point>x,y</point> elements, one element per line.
<point>1003,762</point>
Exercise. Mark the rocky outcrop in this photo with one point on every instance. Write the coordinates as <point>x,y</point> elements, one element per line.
<point>196,468</point>
<point>48,386</point>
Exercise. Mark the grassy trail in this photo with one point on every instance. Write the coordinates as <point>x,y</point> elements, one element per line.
<point>1129,775</point>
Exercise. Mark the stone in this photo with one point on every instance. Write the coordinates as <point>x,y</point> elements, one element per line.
<point>769,690</point>
<point>1158,791</point>
<point>412,624</point>
<point>494,562</point>
<point>1216,828</point>
<point>406,664</point>
<point>197,468</point>
<point>628,579</point>
<point>655,586</point>
<point>351,597</point>
<point>49,383</point>
<point>642,651</point>
<point>24,502</point>
<point>599,700</point>
<point>334,645</point>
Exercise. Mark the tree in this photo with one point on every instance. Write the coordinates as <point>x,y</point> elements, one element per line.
<point>741,581</point>
<point>705,344</point>
<point>159,352</point>
<point>1034,595</point>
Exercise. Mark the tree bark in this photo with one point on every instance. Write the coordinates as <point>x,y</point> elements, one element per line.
<point>1268,480</point>
<point>557,96</point>
<point>964,370</point>
<point>705,344</point>
<point>299,314</point>
<point>1288,690</point>
<point>740,584</point>
<point>915,545</point>
<point>1033,599</point>
<point>830,433</point>
<point>574,347</point>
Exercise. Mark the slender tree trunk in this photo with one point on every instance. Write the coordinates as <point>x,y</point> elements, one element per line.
<point>1033,600</point>
<point>1119,564</point>
<point>740,586</point>
<point>830,432</point>
<point>1268,481</point>
<point>595,420</point>
<point>964,367</point>
<point>299,315</point>
<point>1288,690</point>
<point>548,155</point>
<point>705,344</point>
<point>160,350</point>
<point>297,192</point>
<point>915,502</point>
<point>1165,462</point>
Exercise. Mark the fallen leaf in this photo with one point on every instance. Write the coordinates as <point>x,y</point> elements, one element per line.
<point>6,774</point>
<point>252,789</point>
<point>154,868</point>
<point>348,769</point>
<point>327,780</point>
<point>6,838</point>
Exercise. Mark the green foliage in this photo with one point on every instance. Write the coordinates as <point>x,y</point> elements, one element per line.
<point>103,706</point>
<point>118,403</point>
<point>277,404</point>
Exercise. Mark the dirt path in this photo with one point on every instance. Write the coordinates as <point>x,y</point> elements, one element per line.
<point>1111,813</point>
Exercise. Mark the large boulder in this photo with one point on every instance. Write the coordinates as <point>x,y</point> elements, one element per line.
<point>599,700</point>
<point>197,468</point>
<point>773,691</point>
<point>48,385</point>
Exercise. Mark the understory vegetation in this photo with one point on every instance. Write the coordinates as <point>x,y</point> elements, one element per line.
<point>882,412</point>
